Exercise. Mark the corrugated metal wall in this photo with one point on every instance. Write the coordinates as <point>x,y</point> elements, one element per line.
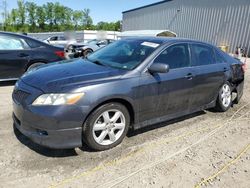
<point>220,22</point>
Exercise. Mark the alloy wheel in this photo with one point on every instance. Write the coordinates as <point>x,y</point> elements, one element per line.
<point>226,95</point>
<point>109,127</point>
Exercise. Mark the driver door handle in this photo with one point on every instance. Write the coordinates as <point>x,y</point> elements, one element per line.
<point>189,76</point>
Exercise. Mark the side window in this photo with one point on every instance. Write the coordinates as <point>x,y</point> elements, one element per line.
<point>61,38</point>
<point>219,57</point>
<point>203,55</point>
<point>176,56</point>
<point>53,38</point>
<point>11,43</point>
<point>33,44</point>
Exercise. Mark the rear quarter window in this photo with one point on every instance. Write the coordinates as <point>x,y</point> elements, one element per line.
<point>33,44</point>
<point>229,59</point>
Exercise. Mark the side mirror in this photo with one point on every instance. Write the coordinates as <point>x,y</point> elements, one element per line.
<point>158,68</point>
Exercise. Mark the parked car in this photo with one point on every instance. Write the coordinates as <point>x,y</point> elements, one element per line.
<point>59,41</point>
<point>133,82</point>
<point>83,49</point>
<point>19,53</point>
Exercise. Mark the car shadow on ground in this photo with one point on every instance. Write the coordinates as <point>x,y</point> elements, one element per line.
<point>43,150</point>
<point>62,153</point>
<point>7,83</point>
<point>132,132</point>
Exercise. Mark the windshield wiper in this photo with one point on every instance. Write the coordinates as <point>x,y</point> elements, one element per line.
<point>98,63</point>
<point>95,62</point>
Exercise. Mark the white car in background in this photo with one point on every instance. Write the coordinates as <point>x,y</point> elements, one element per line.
<point>59,41</point>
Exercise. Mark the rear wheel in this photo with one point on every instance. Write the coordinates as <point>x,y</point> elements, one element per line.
<point>224,101</point>
<point>34,65</point>
<point>106,127</point>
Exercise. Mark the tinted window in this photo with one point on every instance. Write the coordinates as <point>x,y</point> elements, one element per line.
<point>176,56</point>
<point>219,57</point>
<point>12,43</point>
<point>53,38</point>
<point>203,55</point>
<point>33,44</point>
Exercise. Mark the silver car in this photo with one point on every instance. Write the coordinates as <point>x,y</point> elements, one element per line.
<point>83,49</point>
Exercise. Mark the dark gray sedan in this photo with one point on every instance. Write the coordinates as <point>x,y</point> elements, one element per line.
<point>19,53</point>
<point>131,83</point>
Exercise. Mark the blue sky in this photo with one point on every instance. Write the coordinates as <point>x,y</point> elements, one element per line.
<point>101,10</point>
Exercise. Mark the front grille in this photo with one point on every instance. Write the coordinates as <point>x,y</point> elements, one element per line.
<point>19,96</point>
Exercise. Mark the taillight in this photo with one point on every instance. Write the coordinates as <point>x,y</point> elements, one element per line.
<point>60,54</point>
<point>244,67</point>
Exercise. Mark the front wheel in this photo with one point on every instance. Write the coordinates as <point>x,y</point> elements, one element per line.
<point>224,100</point>
<point>106,127</point>
<point>87,52</point>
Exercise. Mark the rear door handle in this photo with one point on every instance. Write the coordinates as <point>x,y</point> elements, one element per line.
<point>225,69</point>
<point>189,76</point>
<point>23,55</point>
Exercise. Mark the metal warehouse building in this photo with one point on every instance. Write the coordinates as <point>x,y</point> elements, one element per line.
<point>220,22</point>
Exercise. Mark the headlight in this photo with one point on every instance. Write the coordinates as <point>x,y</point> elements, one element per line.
<point>58,99</point>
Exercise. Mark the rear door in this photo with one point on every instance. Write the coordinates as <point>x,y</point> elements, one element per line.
<point>14,56</point>
<point>210,75</point>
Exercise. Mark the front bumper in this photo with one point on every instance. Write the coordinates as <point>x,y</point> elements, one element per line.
<point>57,127</point>
<point>56,139</point>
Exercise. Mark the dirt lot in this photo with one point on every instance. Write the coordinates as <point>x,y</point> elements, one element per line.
<point>206,149</point>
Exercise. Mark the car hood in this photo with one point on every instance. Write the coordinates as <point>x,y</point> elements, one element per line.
<point>69,75</point>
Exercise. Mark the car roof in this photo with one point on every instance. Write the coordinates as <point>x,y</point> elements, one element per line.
<point>165,40</point>
<point>18,35</point>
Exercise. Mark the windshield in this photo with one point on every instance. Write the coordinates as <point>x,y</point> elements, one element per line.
<point>124,54</point>
<point>94,41</point>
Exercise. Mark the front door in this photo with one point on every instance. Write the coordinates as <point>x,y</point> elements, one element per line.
<point>174,88</point>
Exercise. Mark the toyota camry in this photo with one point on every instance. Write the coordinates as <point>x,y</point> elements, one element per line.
<point>131,83</point>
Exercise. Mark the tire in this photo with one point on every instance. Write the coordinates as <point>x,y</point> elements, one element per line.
<point>87,52</point>
<point>100,132</point>
<point>224,100</point>
<point>34,65</point>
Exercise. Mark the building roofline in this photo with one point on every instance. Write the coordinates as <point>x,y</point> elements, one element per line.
<point>153,4</point>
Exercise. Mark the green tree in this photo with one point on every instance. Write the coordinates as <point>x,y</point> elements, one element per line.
<point>21,12</point>
<point>49,11</point>
<point>77,18</point>
<point>87,20</point>
<point>41,17</point>
<point>14,17</point>
<point>31,9</point>
<point>52,17</point>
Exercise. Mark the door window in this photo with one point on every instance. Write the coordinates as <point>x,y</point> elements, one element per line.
<point>203,55</point>
<point>53,38</point>
<point>11,43</point>
<point>61,38</point>
<point>176,56</point>
<point>219,57</point>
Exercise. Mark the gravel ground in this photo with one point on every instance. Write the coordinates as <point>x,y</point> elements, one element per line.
<point>205,149</point>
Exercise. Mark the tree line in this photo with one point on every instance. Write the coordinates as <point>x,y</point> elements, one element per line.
<point>30,17</point>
